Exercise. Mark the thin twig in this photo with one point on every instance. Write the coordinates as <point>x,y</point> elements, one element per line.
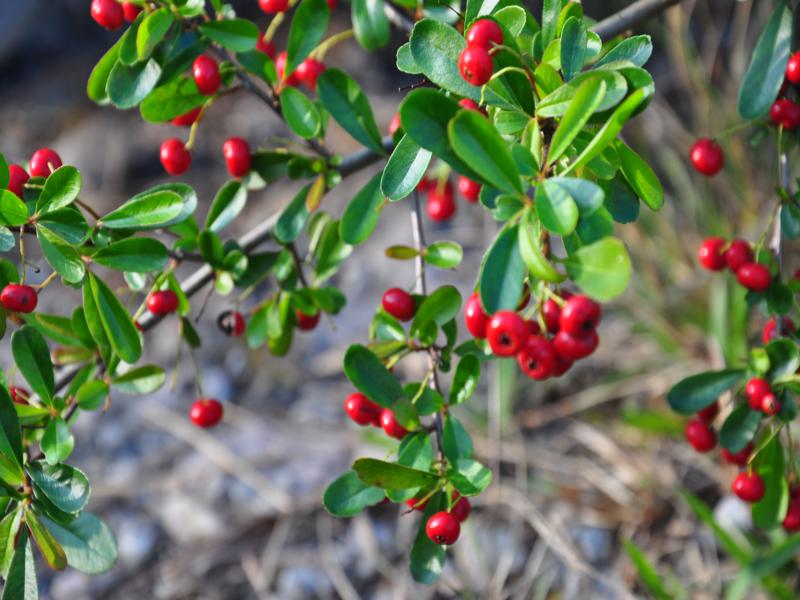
<point>630,17</point>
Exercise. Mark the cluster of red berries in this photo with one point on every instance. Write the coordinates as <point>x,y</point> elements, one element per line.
<point>715,254</point>
<point>475,61</point>
<point>364,411</point>
<point>570,321</point>
<point>272,7</point>
<point>444,527</point>
<point>43,162</point>
<point>306,73</point>
<point>785,112</point>
<point>440,198</point>
<point>111,14</point>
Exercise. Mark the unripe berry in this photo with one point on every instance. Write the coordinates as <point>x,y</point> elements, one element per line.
<point>390,425</point>
<point>700,436</point>
<point>537,359</point>
<point>206,412</point>
<point>107,14</point>
<point>175,158</point>
<point>579,315</point>
<point>361,409</point>
<point>770,405</point>
<point>506,333</point>
<point>461,509</point>
<point>19,395</point>
<point>231,322</point>
<point>748,486</point>
<point>443,528</point>
<point>739,458</point>
<point>475,65</point>
<point>206,74</point>
<point>272,7</point>
<point>572,347</point>
<point>237,156</point>
<point>475,318</point>
<point>709,413</point>
<point>187,119</point>
<point>266,47</point>
<point>755,389</point>
<point>19,298</point>
<point>399,304</point>
<point>793,68</point>
<point>43,162</point>
<point>770,330</point>
<point>484,33</point>
<point>17,177</point>
<point>707,157</point>
<point>710,255</point>
<point>280,67</point>
<point>308,71</point>
<point>737,254</point>
<point>469,189</point>
<point>306,322</point>
<point>441,206</point>
<point>754,276</point>
<point>130,11</point>
<point>162,302</point>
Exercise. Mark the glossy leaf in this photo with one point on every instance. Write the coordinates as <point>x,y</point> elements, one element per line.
<point>308,27</point>
<point>13,211</point>
<point>348,495</point>
<point>586,100</point>
<point>696,392</point>
<point>300,113</point>
<point>66,487</point>
<point>51,550</point>
<point>602,269</point>
<point>228,203</point>
<point>362,213</point>
<point>640,176</point>
<point>127,86</point>
<point>405,169</point>
<point>142,380</point>
<point>293,218</point>
<point>348,105</point>
<point>117,323</point>
<point>444,254</point>
<point>135,255</point>
<point>32,357</point>
<point>57,442</point>
<point>370,24</point>
<point>21,581</point>
<point>435,48</point>
<point>574,50</point>
<point>470,477</point>
<point>739,428</point>
<point>370,377</point>
<point>87,541</point>
<point>145,211</point>
<point>465,380</point>
<point>502,272</point>
<point>237,35</point>
<point>151,31</point>
<point>60,189</point>
<point>392,476</point>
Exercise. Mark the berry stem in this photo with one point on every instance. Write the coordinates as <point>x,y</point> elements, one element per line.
<point>319,52</point>
<point>22,254</point>
<point>763,445</point>
<point>46,282</point>
<point>273,26</point>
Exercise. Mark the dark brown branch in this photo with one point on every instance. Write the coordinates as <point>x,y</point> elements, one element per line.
<point>630,17</point>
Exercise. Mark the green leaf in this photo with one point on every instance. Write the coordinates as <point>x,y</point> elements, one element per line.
<point>60,189</point>
<point>227,205</point>
<point>647,572</point>
<point>769,512</point>
<point>98,79</point>
<point>469,476</point>
<point>171,100</point>
<point>405,60</point>
<point>784,358</point>
<point>696,392</point>
<point>370,25</point>
<point>550,14</point>
<point>117,323</point>
<point>151,31</point>
<point>726,540</point>
<point>10,437</point>
<point>392,476</point>
<point>574,50</point>
<point>142,380</point>
<point>57,441</point>
<point>739,428</point>
<point>502,272</point>
<point>370,377</point>
<point>306,31</point>
<point>777,557</point>
<point>66,487</point>
<point>32,357</point>
<point>440,307</point>
<point>465,379</point>
<point>127,86</point>
<point>765,75</point>
<point>64,259</point>
<point>300,113</point>
<point>635,49</point>
<point>91,317</point>
<point>478,144</point>
<point>9,527</point>
<point>640,177</point>
<point>293,218</point>
<point>557,102</point>
<point>427,558</point>
<point>586,100</point>
<point>151,210</point>
<point>456,442</point>
<point>601,269</point>
<point>405,169</point>
<point>66,223</point>
<point>87,541</point>
<point>135,255</point>
<point>21,580</point>
<point>556,209</point>
<point>51,550</point>
<point>443,254</point>
<point>348,105</point>
<point>13,211</point>
<point>92,394</point>
<point>237,35</point>
<point>532,254</point>
<point>362,213</point>
<point>348,495</point>
<point>435,47</point>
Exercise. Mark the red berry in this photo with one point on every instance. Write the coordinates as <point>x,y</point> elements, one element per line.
<point>43,162</point>
<point>441,206</point>
<point>551,312</point>
<point>484,33</point>
<point>469,189</point>
<point>537,359</point>
<point>579,316</point>
<point>206,74</point>
<point>130,11</point>
<point>533,327</point>
<point>739,458</point>
<point>748,486</point>
<point>469,104</point>
<point>237,156</point>
<point>700,436</point>
<point>461,509</point>
<point>107,13</point>
<point>205,412</point>
<point>572,347</point>
<point>507,333</point>
<point>709,413</point>
<point>308,71</point>
<point>790,114</point>
<point>332,4</point>
<point>306,322</point>
<point>280,67</point>
<point>779,110</point>
<point>791,521</point>
<point>475,318</point>
<point>361,409</point>
<point>562,365</point>
<point>162,302</point>
<point>414,504</point>
<point>770,405</point>
<point>395,124</point>
<point>175,158</point>
<point>273,6</point>
<point>755,389</point>
<point>266,47</point>
<point>17,177</point>
<point>707,157</point>
<point>443,528</point>
<point>19,395</point>
<point>19,298</point>
<point>231,322</point>
<point>399,304</point>
<point>754,276</point>
<point>793,68</point>
<point>390,425</point>
<point>710,255</point>
<point>187,119</point>
<point>770,331</point>
<point>475,65</point>
<point>737,254</point>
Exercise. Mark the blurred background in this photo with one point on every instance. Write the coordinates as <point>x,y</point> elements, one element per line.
<point>581,463</point>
